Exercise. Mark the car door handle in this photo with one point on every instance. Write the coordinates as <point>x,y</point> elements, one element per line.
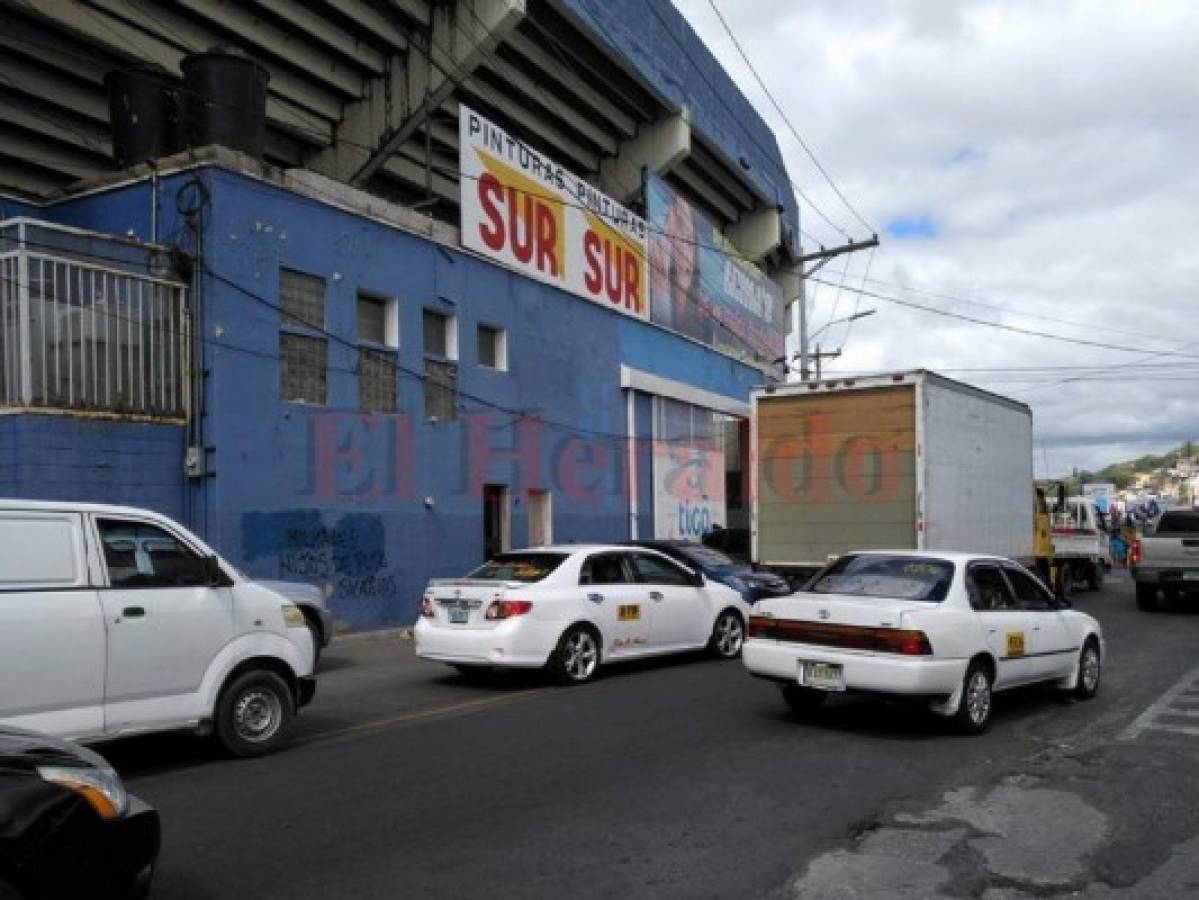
<point>133,612</point>
<point>596,598</point>
<point>655,595</point>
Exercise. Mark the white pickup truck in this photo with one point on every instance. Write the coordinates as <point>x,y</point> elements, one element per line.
<point>1164,561</point>
<point>1080,544</point>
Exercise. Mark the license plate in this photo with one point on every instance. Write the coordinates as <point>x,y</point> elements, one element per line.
<point>822,676</point>
<point>1190,576</point>
<point>459,616</point>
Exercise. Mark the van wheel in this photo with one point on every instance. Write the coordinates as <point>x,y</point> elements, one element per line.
<point>253,713</point>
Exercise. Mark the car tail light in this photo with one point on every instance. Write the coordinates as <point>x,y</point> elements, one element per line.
<point>506,609</point>
<point>1134,552</point>
<point>426,608</point>
<point>909,643</point>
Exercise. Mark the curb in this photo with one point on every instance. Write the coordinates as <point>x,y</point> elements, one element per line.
<point>382,634</point>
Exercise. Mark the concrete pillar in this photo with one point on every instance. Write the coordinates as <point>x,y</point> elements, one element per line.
<point>659,147</point>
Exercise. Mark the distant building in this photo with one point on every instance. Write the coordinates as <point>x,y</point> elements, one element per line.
<point>490,273</point>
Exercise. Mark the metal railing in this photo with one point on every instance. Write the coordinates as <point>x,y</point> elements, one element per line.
<point>77,334</point>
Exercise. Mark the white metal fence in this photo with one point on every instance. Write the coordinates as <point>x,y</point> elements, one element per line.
<point>77,334</point>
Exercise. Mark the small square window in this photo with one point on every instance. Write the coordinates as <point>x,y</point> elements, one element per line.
<point>493,347</point>
<point>302,299</point>
<point>377,321</point>
<point>441,335</point>
<point>303,364</point>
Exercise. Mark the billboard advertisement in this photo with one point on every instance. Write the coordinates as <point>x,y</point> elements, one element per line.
<point>528,213</point>
<point>689,495</point>
<point>701,287</point>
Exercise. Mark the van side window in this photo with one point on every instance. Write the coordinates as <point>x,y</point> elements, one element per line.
<point>139,555</point>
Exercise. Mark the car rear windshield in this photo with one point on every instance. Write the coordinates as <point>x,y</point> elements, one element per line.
<point>902,577</point>
<point>1178,522</point>
<point>526,567</point>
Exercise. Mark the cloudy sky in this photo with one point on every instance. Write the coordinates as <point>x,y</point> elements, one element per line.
<point>1028,162</point>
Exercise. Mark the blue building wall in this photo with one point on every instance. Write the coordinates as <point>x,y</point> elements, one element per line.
<point>54,457</point>
<point>369,506</point>
<point>373,505</point>
<point>658,43</point>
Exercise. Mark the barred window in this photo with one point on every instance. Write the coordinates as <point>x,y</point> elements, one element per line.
<point>77,336</point>
<point>441,390</point>
<point>303,368</point>
<point>302,299</point>
<point>376,380</point>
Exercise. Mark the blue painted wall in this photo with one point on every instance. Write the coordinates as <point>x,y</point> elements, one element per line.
<point>654,38</point>
<point>369,506</point>
<point>52,457</point>
<point>337,497</point>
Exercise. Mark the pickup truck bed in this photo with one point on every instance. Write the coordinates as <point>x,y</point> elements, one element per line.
<point>1166,558</point>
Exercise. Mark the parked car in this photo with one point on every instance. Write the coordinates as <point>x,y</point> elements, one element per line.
<point>948,629</point>
<point>117,621</point>
<point>1165,559</point>
<point>741,577</point>
<point>68,828</point>
<point>572,608</point>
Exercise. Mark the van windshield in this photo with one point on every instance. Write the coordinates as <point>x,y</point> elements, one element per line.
<point>526,567</point>
<point>876,575</point>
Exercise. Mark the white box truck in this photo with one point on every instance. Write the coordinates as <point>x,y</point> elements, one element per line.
<point>910,460</point>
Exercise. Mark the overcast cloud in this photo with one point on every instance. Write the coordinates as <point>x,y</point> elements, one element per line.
<point>1038,158</point>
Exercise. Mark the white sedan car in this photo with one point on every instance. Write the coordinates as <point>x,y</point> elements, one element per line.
<point>574,607</point>
<point>946,628</point>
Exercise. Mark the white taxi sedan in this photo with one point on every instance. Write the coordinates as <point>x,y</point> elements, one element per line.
<point>946,628</point>
<point>571,608</point>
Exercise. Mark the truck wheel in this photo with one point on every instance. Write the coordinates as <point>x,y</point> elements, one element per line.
<point>1147,597</point>
<point>1067,578</point>
<point>253,713</point>
<point>1095,582</point>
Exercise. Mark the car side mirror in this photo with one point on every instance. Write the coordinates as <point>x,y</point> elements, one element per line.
<point>214,575</point>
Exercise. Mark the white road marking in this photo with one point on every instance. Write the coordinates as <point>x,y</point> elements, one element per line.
<point>1173,703</point>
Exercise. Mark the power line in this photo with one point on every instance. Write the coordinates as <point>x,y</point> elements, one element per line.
<point>786,120</point>
<point>1015,329</point>
<point>719,95</point>
<point>999,307</point>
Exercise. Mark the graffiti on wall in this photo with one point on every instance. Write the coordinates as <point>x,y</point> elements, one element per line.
<point>348,559</point>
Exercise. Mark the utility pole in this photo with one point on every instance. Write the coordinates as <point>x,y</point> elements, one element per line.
<point>818,356</point>
<point>821,257</point>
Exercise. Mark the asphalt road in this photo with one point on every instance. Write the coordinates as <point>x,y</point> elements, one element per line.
<point>684,779</point>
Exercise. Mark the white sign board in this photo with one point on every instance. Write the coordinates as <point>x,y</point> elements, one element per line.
<point>527,212</point>
<point>689,493</point>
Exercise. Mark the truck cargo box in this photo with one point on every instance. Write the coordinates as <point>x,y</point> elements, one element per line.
<point>905,461</point>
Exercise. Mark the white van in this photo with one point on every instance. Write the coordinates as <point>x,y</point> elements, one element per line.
<point>116,621</point>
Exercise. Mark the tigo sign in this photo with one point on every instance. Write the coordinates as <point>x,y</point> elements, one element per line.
<point>531,214</point>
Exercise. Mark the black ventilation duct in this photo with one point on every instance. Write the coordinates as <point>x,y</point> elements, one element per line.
<point>224,100</point>
<point>143,109</point>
